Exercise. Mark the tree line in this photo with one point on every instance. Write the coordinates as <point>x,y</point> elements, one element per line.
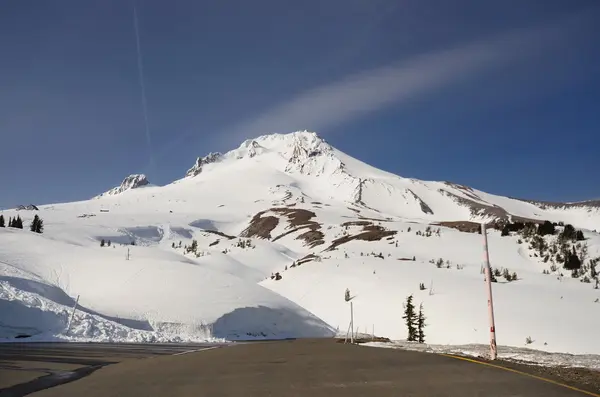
<point>37,224</point>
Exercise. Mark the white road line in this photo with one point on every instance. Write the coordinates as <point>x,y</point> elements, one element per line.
<point>196,350</point>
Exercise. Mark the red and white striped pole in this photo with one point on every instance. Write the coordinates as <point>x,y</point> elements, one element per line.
<point>488,279</point>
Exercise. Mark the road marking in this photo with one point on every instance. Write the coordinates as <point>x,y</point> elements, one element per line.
<point>202,349</point>
<point>523,373</point>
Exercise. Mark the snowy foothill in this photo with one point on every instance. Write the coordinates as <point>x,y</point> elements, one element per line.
<point>261,243</point>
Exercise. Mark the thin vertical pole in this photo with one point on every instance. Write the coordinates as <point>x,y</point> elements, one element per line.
<point>72,314</point>
<point>488,279</point>
<point>351,322</point>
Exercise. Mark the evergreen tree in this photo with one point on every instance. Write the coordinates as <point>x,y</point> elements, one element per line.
<point>546,228</point>
<point>34,224</point>
<point>421,325</point>
<point>19,222</point>
<point>10,222</point>
<point>102,243</point>
<point>568,233</point>
<point>572,261</point>
<point>37,225</point>
<point>108,243</point>
<point>410,318</point>
<point>2,221</point>
<point>193,247</point>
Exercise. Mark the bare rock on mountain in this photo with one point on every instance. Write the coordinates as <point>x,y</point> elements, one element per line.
<point>133,181</point>
<point>29,207</point>
<point>201,162</point>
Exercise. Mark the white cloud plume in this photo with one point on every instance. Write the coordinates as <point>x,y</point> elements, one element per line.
<point>400,82</point>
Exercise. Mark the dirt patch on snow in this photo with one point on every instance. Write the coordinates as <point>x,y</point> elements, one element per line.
<point>461,226</point>
<point>260,227</point>
<point>356,223</point>
<point>218,233</point>
<point>298,219</point>
<point>297,216</point>
<point>370,233</point>
<point>312,238</point>
<point>374,219</point>
<point>307,258</point>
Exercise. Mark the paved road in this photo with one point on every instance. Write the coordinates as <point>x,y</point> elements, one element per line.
<point>311,368</point>
<point>29,367</point>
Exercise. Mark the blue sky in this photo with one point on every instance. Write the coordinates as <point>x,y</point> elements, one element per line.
<point>500,95</point>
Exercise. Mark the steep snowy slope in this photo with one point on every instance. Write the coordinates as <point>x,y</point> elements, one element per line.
<point>326,173</point>
<point>206,250</point>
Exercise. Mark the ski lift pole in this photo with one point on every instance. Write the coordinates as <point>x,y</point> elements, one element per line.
<point>488,279</point>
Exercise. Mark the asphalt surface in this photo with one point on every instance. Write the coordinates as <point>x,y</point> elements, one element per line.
<point>29,367</point>
<point>311,368</point>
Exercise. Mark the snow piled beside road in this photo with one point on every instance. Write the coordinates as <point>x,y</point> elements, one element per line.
<point>518,354</point>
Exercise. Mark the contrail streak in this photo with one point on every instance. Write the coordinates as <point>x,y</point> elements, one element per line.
<point>142,84</point>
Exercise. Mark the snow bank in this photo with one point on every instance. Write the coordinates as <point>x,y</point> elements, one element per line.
<point>529,356</point>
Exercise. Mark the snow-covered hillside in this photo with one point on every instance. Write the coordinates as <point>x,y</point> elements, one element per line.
<point>262,242</point>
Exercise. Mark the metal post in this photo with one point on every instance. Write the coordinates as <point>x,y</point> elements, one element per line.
<point>488,279</point>
<point>351,322</point>
<point>72,314</point>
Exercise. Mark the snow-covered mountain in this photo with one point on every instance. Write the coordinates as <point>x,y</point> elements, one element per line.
<point>133,181</point>
<point>262,241</point>
<point>333,175</point>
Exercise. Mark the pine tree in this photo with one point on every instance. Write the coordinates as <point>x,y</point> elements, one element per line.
<point>410,318</point>
<point>108,243</point>
<point>102,243</point>
<point>34,223</point>
<point>193,247</point>
<point>19,222</point>
<point>421,325</point>
<point>10,222</point>
<point>2,221</point>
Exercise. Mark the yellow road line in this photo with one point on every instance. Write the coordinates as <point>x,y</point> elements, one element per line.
<point>522,373</point>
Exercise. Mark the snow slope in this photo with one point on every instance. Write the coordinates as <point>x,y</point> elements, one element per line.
<point>277,204</point>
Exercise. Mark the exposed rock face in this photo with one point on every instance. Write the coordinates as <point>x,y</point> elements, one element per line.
<point>201,162</point>
<point>133,181</point>
<point>29,207</point>
<point>589,204</point>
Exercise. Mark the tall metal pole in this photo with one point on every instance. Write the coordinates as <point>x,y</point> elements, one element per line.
<point>351,322</point>
<point>488,279</point>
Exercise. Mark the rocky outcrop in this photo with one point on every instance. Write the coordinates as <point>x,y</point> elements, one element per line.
<point>201,162</point>
<point>29,207</point>
<point>133,181</point>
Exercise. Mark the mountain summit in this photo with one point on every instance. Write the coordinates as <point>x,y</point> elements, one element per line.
<point>133,181</point>
<point>304,163</point>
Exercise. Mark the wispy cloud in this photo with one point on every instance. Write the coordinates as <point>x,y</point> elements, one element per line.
<point>357,95</point>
